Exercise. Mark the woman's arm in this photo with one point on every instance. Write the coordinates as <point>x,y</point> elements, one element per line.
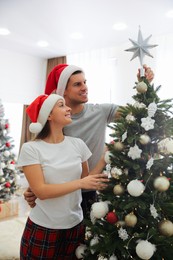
<point>43,190</point>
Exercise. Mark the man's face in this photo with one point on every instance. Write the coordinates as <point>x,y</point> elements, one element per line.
<point>76,91</point>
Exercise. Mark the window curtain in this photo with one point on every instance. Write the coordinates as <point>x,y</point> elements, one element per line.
<point>25,134</point>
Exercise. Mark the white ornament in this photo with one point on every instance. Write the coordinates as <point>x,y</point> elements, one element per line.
<point>152,108</point>
<point>144,139</point>
<point>93,219</point>
<point>6,153</point>
<point>100,257</point>
<point>134,152</point>
<point>107,157</point>
<point>3,165</point>
<point>135,188</point>
<point>99,209</point>
<point>113,257</point>
<point>145,249</point>
<point>11,167</point>
<point>93,242</point>
<point>141,87</point>
<point>123,234</point>
<point>139,105</point>
<point>130,118</point>
<point>165,146</point>
<point>124,136</point>
<point>153,211</point>
<point>116,172</point>
<point>147,123</point>
<point>1,172</point>
<point>149,163</point>
<point>161,183</point>
<point>80,251</point>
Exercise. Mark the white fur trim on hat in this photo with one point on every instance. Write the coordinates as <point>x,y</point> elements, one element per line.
<point>64,77</point>
<point>44,113</point>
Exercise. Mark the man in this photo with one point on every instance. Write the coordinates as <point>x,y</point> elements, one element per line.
<point>89,121</point>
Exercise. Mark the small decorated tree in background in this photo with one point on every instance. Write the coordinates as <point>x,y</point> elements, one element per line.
<point>133,218</point>
<point>8,170</point>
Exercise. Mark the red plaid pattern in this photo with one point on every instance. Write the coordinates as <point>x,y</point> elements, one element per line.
<point>54,244</point>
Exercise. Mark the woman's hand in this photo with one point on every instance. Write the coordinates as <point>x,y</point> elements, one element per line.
<point>95,181</point>
<point>30,197</point>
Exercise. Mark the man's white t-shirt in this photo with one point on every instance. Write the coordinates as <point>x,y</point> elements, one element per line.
<point>61,163</point>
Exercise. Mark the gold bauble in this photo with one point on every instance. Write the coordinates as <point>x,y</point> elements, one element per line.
<point>118,189</point>
<point>118,146</point>
<point>166,228</point>
<point>141,87</point>
<point>130,220</point>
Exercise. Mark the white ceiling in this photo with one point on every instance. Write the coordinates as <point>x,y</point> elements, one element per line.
<point>54,20</point>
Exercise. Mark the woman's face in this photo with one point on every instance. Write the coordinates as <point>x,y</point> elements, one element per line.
<point>61,114</point>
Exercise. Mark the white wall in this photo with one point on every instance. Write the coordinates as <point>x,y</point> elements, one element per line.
<point>22,78</point>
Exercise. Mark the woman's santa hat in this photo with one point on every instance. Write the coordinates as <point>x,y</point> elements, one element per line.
<point>39,111</point>
<point>58,78</point>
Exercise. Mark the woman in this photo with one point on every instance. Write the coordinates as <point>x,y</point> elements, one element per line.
<point>56,169</point>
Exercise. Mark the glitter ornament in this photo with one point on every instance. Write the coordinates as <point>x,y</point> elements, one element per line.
<point>144,139</point>
<point>118,189</point>
<point>80,250</point>
<point>130,220</point>
<point>141,87</point>
<point>166,228</point>
<point>111,217</point>
<point>135,188</point>
<point>161,183</point>
<point>99,209</point>
<point>145,249</point>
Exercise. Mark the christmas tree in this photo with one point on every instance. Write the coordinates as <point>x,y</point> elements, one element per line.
<point>133,218</point>
<point>8,170</point>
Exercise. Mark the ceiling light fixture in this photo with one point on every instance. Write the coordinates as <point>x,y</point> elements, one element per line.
<point>42,44</point>
<point>119,26</point>
<point>170,14</point>
<point>4,31</point>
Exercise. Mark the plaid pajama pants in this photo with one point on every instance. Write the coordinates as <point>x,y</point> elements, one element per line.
<point>54,244</point>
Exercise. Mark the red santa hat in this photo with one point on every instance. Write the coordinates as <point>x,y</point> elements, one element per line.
<point>58,78</point>
<point>39,111</point>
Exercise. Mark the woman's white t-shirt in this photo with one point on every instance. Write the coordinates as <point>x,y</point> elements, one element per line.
<point>60,163</point>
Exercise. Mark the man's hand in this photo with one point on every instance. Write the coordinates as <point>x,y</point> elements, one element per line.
<point>30,197</point>
<point>148,73</point>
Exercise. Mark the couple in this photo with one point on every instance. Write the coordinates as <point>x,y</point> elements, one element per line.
<point>55,163</point>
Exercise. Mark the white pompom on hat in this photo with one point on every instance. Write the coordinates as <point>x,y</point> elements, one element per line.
<point>39,111</point>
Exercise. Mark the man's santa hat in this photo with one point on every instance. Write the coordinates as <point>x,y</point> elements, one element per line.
<point>58,78</point>
<point>39,111</point>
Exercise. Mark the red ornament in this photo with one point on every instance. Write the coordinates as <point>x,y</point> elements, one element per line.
<point>7,185</point>
<point>6,126</point>
<point>8,144</point>
<point>111,217</point>
<point>12,162</point>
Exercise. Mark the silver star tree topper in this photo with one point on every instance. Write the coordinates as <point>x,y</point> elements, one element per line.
<point>140,48</point>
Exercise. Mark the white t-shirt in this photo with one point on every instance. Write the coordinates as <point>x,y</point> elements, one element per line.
<point>61,163</point>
